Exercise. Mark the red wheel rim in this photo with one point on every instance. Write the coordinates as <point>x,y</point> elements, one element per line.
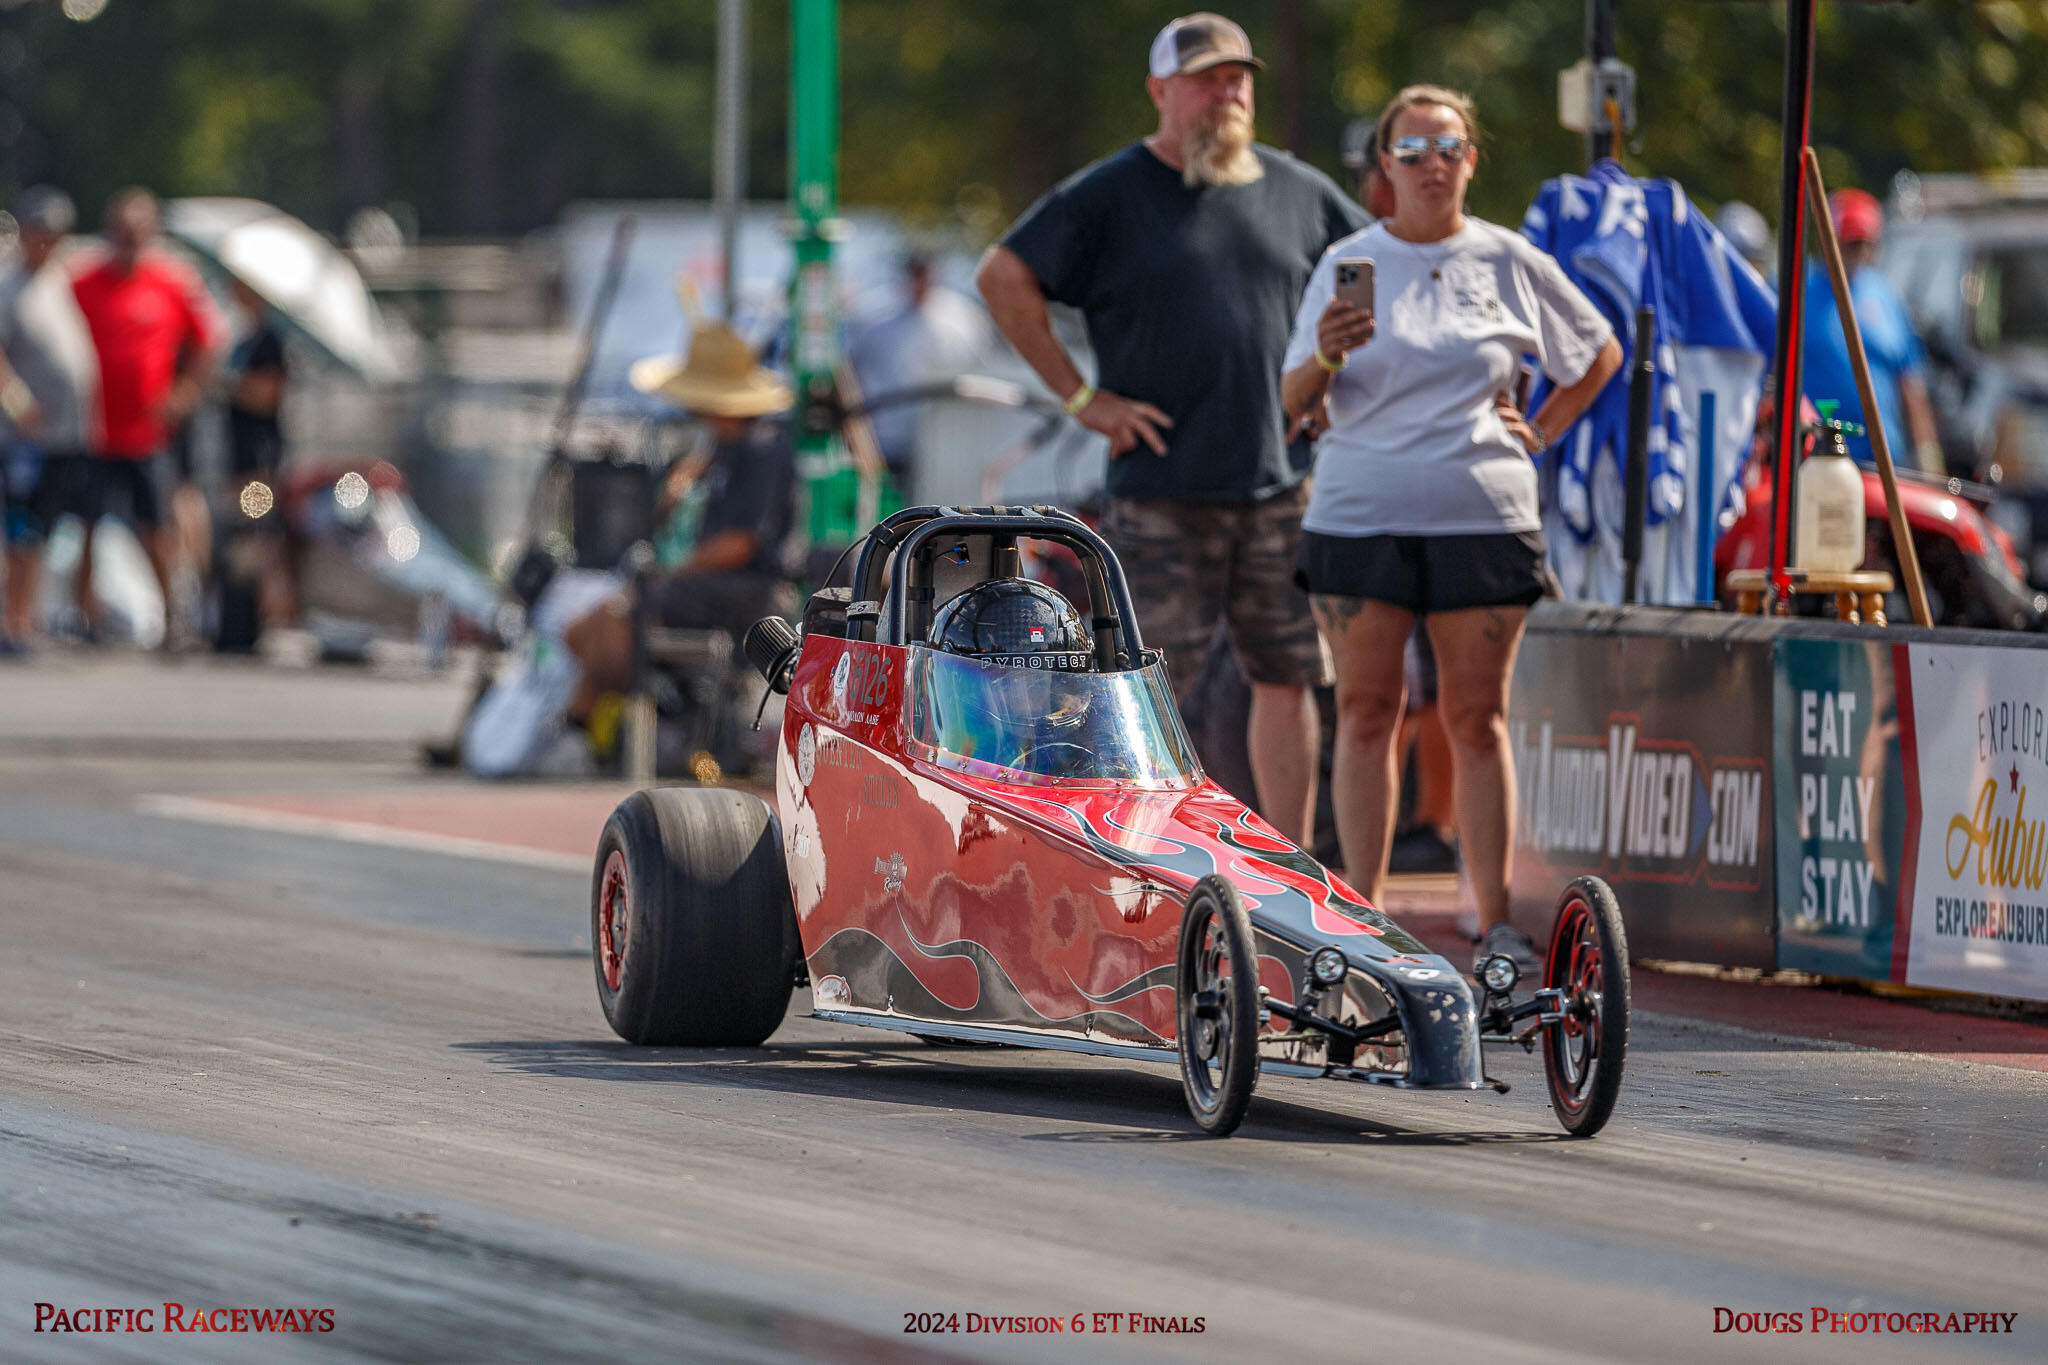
<point>1575,969</point>
<point>613,919</point>
<point>1205,1011</point>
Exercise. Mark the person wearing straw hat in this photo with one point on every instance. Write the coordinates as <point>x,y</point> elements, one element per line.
<point>720,380</point>
<point>745,488</point>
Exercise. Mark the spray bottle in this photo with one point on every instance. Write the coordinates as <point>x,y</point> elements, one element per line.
<point>1830,501</point>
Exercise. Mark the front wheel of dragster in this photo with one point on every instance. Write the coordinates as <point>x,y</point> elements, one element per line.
<point>1588,965</point>
<point>691,922</point>
<point>1218,1006</point>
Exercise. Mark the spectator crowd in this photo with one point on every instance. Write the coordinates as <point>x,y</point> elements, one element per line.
<point>1205,266</point>
<point>1323,442</point>
<point>106,351</point>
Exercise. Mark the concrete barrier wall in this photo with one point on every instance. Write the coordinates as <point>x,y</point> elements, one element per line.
<point>1974,745</point>
<point>1642,753</point>
<point>1841,806</point>
<point>1847,800</point>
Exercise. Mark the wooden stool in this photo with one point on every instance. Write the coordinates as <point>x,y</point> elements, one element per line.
<point>1859,594</point>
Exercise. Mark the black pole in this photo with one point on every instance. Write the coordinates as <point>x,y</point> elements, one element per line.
<point>537,508</point>
<point>1798,118</point>
<point>1599,29</point>
<point>1635,480</point>
<point>1293,76</point>
<point>593,328</point>
<point>1599,47</point>
<point>639,560</point>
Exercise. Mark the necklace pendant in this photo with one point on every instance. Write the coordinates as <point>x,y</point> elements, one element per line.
<point>1436,274</point>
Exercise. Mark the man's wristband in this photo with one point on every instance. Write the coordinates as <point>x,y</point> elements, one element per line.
<point>16,400</point>
<point>1542,436</point>
<point>1328,364</point>
<point>1080,399</point>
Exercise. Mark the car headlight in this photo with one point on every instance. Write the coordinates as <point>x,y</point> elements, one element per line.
<point>1500,973</point>
<point>1327,966</point>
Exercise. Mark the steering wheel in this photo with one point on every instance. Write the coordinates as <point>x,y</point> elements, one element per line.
<point>1023,760</point>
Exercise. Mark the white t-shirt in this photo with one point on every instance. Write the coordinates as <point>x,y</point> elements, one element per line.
<point>46,342</point>
<point>1415,447</point>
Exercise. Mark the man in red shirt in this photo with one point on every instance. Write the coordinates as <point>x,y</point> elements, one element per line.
<point>158,338</point>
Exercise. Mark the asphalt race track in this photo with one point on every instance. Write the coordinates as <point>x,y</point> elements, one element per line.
<point>253,1068</point>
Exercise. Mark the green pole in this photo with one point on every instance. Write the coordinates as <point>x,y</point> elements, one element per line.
<point>831,484</point>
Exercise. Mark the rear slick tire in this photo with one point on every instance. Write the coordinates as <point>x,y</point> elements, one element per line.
<point>692,931</point>
<point>1217,1007</point>
<point>1583,1054</point>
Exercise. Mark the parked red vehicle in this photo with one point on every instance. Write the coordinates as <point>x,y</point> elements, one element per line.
<point>990,826</point>
<point>359,558</point>
<point>1967,561</point>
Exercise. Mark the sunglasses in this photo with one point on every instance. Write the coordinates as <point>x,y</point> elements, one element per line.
<point>1410,150</point>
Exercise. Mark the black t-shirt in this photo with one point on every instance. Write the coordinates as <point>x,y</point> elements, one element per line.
<point>1190,296</point>
<point>751,486</point>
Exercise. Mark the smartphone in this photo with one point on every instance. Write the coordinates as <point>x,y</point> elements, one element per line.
<point>1354,283</point>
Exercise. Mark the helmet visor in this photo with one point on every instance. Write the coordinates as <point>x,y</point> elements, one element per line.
<point>1043,726</point>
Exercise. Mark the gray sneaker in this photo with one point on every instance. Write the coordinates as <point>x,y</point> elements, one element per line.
<point>1508,941</point>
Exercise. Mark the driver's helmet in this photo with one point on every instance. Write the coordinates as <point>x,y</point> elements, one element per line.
<point>1034,712</point>
<point>1017,623</point>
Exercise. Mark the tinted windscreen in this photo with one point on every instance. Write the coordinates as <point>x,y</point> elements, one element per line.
<point>1035,725</point>
<point>2014,305</point>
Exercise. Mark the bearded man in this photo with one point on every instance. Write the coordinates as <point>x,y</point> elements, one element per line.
<point>1186,253</point>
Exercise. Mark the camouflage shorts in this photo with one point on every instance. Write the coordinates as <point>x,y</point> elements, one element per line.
<point>1192,563</point>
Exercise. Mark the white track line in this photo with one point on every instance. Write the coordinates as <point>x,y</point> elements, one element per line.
<point>357,832</point>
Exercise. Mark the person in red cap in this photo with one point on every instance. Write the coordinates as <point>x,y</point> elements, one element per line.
<point>1897,362</point>
<point>1185,253</point>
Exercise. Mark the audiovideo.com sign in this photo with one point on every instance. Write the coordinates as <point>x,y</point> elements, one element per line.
<point>1644,758</point>
<point>1980,864</point>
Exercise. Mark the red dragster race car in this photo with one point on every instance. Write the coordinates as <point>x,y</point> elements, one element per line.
<point>991,827</point>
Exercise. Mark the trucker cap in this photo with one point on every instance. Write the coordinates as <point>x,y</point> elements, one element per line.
<point>1196,42</point>
<point>1857,216</point>
<point>47,208</point>
<point>1746,230</point>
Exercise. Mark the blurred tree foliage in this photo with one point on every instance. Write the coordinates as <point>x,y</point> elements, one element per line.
<point>487,116</point>
<point>484,116</point>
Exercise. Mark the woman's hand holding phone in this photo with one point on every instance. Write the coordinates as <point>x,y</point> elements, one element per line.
<point>1343,328</point>
<point>1347,322</point>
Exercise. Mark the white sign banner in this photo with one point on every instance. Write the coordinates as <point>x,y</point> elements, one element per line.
<point>1980,883</point>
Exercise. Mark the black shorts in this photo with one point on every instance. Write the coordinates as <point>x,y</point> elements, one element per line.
<point>136,491</point>
<point>70,487</point>
<point>1425,574</point>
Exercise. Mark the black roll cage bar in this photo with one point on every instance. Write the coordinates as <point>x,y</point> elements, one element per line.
<point>899,615</point>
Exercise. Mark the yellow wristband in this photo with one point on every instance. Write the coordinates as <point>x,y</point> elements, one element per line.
<point>1081,398</point>
<point>1331,365</point>
<point>16,400</point>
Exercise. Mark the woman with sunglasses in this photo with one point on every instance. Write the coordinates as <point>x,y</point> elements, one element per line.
<point>1425,485</point>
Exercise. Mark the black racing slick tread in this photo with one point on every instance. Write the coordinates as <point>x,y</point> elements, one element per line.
<point>712,946</point>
